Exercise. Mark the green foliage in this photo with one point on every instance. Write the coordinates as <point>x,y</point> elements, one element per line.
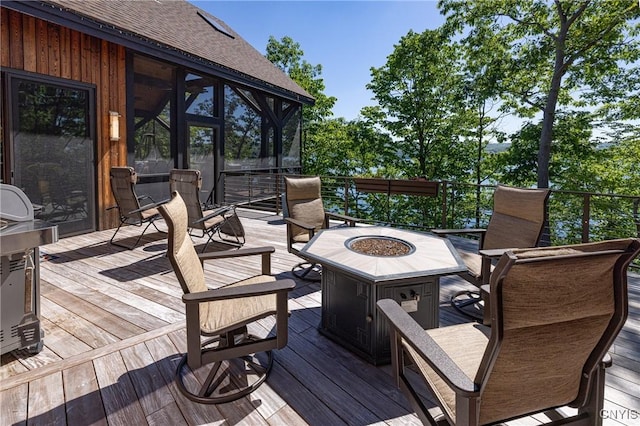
<point>287,55</point>
<point>341,148</point>
<point>569,68</point>
<point>420,91</point>
<point>564,54</point>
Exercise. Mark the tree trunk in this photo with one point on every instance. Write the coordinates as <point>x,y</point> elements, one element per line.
<point>549,115</point>
<point>546,136</point>
<point>481,115</point>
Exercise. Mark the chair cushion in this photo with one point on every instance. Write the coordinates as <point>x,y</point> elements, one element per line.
<point>310,212</point>
<point>301,238</point>
<point>209,223</point>
<point>465,344</point>
<point>473,262</point>
<point>222,315</point>
<point>180,250</point>
<point>303,188</point>
<point>146,214</point>
<point>517,218</point>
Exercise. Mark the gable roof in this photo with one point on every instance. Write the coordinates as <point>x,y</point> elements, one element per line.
<point>172,30</point>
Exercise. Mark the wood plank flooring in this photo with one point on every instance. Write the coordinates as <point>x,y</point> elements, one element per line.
<point>114,333</point>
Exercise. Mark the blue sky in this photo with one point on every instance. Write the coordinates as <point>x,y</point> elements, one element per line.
<point>346,37</point>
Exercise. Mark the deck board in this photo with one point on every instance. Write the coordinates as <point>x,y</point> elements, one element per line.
<point>46,401</point>
<point>114,333</point>
<point>122,405</point>
<point>82,393</point>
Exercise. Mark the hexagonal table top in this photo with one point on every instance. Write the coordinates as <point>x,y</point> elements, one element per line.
<point>428,255</point>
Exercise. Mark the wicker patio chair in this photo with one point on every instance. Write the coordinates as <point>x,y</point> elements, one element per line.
<point>130,209</point>
<point>210,220</point>
<point>240,361</point>
<point>305,216</point>
<point>517,221</point>
<point>555,313</point>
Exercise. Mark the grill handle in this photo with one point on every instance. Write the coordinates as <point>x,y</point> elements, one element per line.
<point>29,266</point>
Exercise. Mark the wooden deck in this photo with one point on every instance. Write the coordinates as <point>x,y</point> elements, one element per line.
<point>114,325</point>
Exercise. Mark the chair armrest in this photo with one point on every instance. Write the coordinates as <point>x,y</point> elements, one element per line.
<point>235,292</point>
<point>236,253</point>
<point>150,206</point>
<point>485,265</point>
<point>296,222</point>
<point>217,212</point>
<point>427,348</point>
<point>350,220</point>
<point>264,251</point>
<point>493,253</point>
<point>445,232</point>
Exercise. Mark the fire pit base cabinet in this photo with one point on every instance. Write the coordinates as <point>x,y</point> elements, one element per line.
<point>350,316</point>
<point>361,265</point>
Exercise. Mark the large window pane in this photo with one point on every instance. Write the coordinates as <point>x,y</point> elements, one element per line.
<point>201,151</point>
<point>154,94</point>
<point>53,149</point>
<point>200,96</point>
<point>291,141</point>
<point>242,132</point>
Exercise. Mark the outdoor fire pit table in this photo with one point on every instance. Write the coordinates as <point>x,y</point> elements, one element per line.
<point>362,265</point>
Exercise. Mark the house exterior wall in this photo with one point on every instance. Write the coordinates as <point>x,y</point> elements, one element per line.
<point>36,46</point>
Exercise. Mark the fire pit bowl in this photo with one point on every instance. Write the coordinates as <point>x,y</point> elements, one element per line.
<point>380,246</point>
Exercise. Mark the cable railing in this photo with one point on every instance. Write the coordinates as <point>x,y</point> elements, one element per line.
<point>573,216</point>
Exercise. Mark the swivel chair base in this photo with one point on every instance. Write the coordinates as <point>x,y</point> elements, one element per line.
<point>308,271</point>
<point>227,380</point>
<point>469,303</point>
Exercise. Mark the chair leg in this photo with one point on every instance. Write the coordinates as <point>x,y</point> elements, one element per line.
<point>137,241</point>
<point>156,226</point>
<point>233,224</point>
<point>237,241</point>
<point>114,235</point>
<point>593,408</point>
<point>211,234</point>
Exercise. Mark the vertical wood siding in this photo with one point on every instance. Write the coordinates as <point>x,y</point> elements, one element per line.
<point>33,45</point>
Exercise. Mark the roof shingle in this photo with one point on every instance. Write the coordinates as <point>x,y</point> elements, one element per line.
<point>176,24</point>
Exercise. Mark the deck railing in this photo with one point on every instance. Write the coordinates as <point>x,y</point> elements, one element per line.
<point>573,216</point>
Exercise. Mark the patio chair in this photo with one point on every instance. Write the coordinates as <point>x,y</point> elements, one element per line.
<point>240,362</point>
<point>128,203</point>
<point>210,220</point>
<point>306,215</point>
<point>555,313</point>
<point>517,221</point>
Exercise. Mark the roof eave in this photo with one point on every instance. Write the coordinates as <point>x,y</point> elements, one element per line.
<point>109,32</point>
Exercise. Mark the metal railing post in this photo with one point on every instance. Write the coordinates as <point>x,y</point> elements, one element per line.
<point>445,186</point>
<point>278,198</point>
<point>346,195</point>
<point>586,212</point>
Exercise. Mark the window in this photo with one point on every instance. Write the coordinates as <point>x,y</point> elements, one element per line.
<point>52,141</point>
<point>242,131</point>
<point>153,100</point>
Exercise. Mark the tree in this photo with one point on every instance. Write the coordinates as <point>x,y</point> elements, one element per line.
<point>563,53</point>
<point>287,55</point>
<point>419,90</point>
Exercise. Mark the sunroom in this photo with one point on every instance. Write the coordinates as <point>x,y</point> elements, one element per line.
<point>155,86</point>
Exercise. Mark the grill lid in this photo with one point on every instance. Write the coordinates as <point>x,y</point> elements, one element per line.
<point>14,204</point>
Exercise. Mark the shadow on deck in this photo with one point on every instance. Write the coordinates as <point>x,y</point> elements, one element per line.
<point>114,333</point>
